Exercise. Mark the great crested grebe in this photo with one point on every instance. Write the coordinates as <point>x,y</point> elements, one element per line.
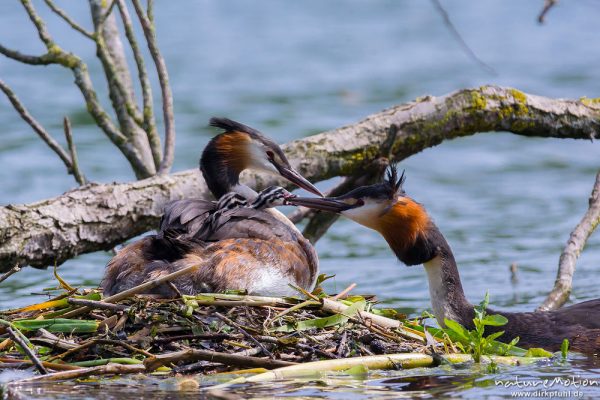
<point>266,249</point>
<point>415,239</point>
<point>241,246</point>
<point>224,158</point>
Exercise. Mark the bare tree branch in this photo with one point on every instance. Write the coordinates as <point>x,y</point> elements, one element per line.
<point>56,55</point>
<point>110,52</point>
<point>39,24</point>
<point>61,13</point>
<point>150,8</point>
<point>115,76</point>
<point>148,113</point>
<point>79,177</point>
<point>163,78</point>
<point>577,240</point>
<point>44,59</point>
<point>548,4</point>
<point>37,127</point>
<point>460,39</point>
<point>107,13</point>
<point>97,217</point>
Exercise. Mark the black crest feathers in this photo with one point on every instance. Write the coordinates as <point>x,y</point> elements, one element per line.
<point>229,125</point>
<point>393,180</point>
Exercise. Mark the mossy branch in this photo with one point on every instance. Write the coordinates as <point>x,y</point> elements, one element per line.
<point>97,217</point>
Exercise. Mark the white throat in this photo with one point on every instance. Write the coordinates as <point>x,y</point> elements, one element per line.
<point>438,291</point>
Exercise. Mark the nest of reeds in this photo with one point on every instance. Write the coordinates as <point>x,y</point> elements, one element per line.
<point>77,331</point>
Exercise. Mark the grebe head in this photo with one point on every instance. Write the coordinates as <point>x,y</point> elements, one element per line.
<point>386,208</point>
<point>273,196</point>
<point>241,147</point>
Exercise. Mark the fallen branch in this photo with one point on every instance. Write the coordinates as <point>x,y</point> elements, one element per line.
<point>189,355</point>
<point>97,217</point>
<point>577,240</point>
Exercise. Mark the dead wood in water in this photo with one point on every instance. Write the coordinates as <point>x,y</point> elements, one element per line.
<point>97,217</point>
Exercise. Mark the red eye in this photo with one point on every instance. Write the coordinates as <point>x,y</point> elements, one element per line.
<point>359,202</point>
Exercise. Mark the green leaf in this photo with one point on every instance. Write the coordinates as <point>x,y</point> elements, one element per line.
<point>322,278</point>
<point>57,325</point>
<point>358,371</point>
<point>494,336</point>
<point>495,320</point>
<point>388,313</point>
<point>457,328</point>
<point>537,352</point>
<point>564,348</point>
<point>319,323</point>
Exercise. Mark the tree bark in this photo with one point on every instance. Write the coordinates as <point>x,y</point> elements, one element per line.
<point>97,217</point>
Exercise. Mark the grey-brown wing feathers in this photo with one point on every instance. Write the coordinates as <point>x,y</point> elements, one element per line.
<point>187,215</point>
<point>249,223</point>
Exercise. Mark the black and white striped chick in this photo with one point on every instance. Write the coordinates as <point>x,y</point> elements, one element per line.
<point>253,248</point>
<point>273,196</point>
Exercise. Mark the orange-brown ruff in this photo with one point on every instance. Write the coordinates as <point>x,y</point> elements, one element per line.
<point>259,251</point>
<point>403,223</point>
<point>415,239</point>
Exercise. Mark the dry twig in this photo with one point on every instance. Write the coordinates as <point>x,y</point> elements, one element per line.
<point>10,272</point>
<point>207,355</point>
<point>548,4</point>
<point>34,359</point>
<point>577,240</point>
<point>459,38</point>
<point>163,78</point>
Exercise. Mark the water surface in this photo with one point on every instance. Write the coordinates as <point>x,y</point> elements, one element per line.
<point>292,69</point>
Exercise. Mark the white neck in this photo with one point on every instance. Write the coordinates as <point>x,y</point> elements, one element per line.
<point>438,291</point>
<point>245,191</point>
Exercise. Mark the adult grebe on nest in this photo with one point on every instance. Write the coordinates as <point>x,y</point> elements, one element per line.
<point>256,249</point>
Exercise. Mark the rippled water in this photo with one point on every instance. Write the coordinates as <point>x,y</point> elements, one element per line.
<point>293,69</point>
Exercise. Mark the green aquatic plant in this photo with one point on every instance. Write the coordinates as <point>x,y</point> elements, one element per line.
<point>564,349</point>
<point>475,341</point>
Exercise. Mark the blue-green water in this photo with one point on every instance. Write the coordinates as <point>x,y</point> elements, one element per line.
<point>292,69</point>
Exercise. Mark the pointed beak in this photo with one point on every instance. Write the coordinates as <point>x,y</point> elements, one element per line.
<point>324,204</point>
<point>291,175</point>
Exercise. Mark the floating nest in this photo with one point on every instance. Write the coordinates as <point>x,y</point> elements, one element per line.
<point>77,333</point>
<point>206,333</point>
